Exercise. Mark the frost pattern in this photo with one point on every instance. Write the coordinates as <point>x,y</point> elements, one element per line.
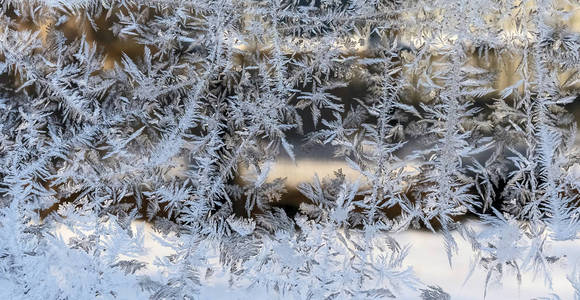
<point>180,119</point>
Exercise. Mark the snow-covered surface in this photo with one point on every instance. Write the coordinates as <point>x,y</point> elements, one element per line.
<point>428,258</point>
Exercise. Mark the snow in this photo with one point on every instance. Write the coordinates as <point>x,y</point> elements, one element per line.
<point>429,261</point>
<point>427,257</point>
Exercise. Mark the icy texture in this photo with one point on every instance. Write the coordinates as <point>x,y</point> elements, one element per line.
<point>175,112</point>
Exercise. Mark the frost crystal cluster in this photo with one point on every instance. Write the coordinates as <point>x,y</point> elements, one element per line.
<point>131,120</point>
